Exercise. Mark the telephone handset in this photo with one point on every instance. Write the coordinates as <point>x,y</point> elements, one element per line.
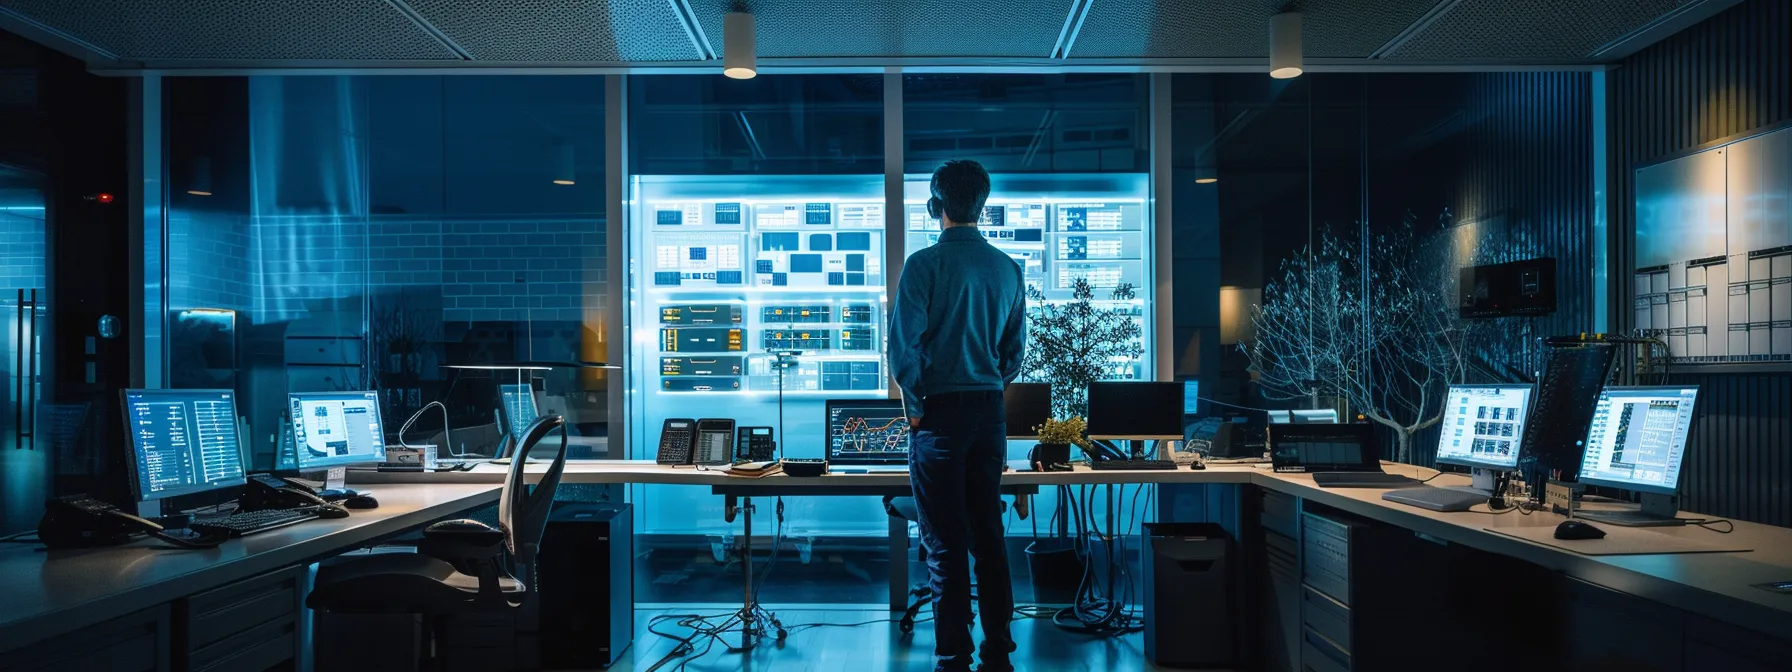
<point>79,520</point>
<point>267,491</point>
<point>676,437</point>
<point>715,441</point>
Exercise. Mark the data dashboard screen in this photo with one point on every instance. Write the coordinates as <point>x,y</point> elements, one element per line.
<point>1483,425</point>
<point>1638,438</point>
<point>334,429</point>
<point>183,441</point>
<point>519,408</point>
<point>870,431</point>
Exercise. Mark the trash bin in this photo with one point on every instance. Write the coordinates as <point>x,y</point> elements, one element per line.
<point>1188,596</point>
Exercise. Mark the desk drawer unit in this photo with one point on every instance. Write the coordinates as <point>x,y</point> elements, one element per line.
<point>252,624</point>
<point>134,643</point>
<point>1280,513</point>
<point>1325,551</point>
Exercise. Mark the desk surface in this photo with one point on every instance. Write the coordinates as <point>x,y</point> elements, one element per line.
<point>48,593</point>
<point>1715,585</point>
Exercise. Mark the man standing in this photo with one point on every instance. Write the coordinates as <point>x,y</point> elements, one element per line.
<point>956,341</point>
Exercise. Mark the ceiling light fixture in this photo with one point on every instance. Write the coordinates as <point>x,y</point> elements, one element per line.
<point>739,52</point>
<point>564,172</point>
<point>201,182</point>
<point>1284,45</point>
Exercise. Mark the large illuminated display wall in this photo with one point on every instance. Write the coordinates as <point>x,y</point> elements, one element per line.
<point>727,271</point>
<point>1062,227</point>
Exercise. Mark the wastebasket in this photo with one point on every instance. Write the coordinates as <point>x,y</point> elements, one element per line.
<point>1188,596</point>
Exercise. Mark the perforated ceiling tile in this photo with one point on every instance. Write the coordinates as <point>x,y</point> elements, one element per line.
<point>1233,29</point>
<point>562,30</point>
<point>239,29</point>
<point>1530,29</point>
<point>870,28</point>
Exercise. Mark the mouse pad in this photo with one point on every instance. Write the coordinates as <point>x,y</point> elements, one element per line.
<point>1629,540</point>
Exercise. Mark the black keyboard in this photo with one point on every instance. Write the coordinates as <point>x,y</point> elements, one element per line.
<point>1121,465</point>
<point>1362,479</point>
<point>250,522</point>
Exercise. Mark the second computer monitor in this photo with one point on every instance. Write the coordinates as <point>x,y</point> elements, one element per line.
<point>182,441</point>
<point>1483,425</point>
<point>335,429</point>
<point>1638,438</point>
<point>1135,410</point>
<point>867,431</point>
<point>1027,405</point>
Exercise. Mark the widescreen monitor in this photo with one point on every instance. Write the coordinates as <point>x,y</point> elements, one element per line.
<point>1638,438</point>
<point>1027,407</point>
<point>182,441</point>
<point>1135,410</point>
<point>336,429</point>
<point>867,431</point>
<point>1483,425</point>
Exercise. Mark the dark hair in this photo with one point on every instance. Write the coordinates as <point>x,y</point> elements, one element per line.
<point>961,187</point>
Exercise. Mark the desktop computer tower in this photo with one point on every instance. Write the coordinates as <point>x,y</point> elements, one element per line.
<point>585,575</point>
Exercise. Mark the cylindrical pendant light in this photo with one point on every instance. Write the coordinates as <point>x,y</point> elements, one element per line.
<point>1284,45</point>
<point>739,59</point>
<point>564,172</point>
<point>200,182</point>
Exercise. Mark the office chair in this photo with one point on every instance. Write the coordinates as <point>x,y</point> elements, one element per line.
<point>904,508</point>
<point>459,566</point>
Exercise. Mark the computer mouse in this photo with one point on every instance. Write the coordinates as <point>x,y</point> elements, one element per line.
<point>1574,529</point>
<point>331,511</point>
<point>1196,466</point>
<point>361,502</point>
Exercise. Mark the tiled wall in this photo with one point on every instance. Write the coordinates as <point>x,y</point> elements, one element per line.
<point>208,260</point>
<point>21,253</point>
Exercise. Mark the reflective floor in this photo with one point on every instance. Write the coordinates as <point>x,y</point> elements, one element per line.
<point>874,644</point>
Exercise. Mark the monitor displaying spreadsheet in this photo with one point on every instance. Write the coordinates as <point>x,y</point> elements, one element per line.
<point>182,441</point>
<point>1638,438</point>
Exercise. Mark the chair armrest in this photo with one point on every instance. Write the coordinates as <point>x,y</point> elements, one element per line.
<point>466,544</point>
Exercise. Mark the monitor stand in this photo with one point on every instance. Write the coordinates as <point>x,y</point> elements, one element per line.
<point>1657,511</point>
<point>335,484</point>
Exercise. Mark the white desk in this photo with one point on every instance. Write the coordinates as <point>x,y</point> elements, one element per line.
<point>1718,586</point>
<point>49,593</point>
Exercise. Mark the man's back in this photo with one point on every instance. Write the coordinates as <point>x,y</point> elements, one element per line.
<point>969,297</point>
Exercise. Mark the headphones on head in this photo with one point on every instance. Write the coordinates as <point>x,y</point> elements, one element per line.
<point>935,205</point>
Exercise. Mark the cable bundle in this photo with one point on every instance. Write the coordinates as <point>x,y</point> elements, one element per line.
<point>1100,609</point>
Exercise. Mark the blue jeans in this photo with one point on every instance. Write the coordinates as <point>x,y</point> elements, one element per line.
<point>955,466</point>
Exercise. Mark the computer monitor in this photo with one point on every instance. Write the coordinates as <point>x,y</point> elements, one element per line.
<point>337,429</point>
<point>519,408</point>
<point>867,431</point>
<point>1135,410</point>
<point>1314,416</point>
<point>1027,405</point>
<point>1638,438</point>
<point>182,442</point>
<point>1483,424</point>
<point>1191,397</point>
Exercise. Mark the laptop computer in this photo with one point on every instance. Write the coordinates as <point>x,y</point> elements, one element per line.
<point>867,435</point>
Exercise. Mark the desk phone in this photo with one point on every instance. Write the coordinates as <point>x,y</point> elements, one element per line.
<point>755,444</point>
<point>676,437</point>
<point>715,441</point>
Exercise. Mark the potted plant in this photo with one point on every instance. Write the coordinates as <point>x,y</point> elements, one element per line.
<point>1055,438</point>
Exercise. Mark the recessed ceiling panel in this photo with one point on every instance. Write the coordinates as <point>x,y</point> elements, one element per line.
<point>239,29</point>
<point>562,30</point>
<point>916,28</point>
<point>1505,30</point>
<point>1234,29</point>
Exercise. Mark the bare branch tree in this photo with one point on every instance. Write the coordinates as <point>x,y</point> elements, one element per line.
<point>1388,352</point>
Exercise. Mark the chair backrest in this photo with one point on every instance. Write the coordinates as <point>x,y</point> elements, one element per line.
<point>523,515</point>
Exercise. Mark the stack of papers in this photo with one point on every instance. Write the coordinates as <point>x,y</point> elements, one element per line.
<point>755,469</point>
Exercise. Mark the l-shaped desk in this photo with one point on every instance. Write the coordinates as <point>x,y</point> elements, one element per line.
<point>50,595</point>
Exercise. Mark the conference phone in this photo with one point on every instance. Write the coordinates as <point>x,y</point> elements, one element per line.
<point>77,521</point>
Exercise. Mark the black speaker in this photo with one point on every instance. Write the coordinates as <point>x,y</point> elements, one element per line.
<point>585,575</point>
